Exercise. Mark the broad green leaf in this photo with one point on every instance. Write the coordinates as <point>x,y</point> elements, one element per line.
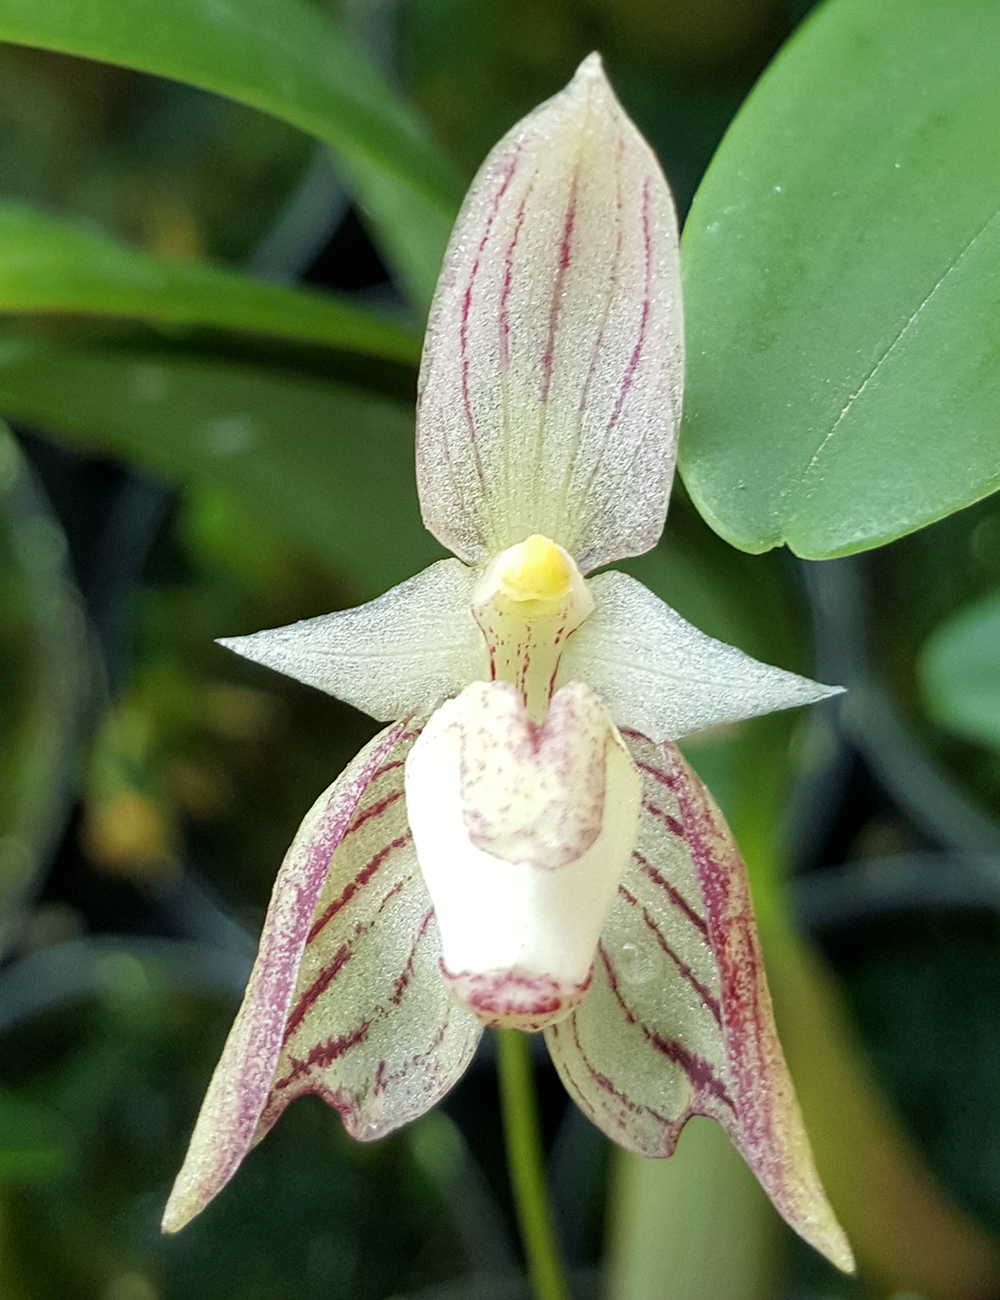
<point>960,672</point>
<point>286,58</point>
<point>50,265</point>
<point>842,282</point>
<point>328,463</point>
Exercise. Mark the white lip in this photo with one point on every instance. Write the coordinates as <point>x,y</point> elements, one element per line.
<point>537,918</point>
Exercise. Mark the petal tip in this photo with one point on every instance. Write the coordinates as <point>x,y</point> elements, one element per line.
<point>591,69</point>
<point>182,1206</point>
<point>831,1241</point>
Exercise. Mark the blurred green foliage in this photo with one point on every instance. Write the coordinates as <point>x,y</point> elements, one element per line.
<point>960,668</point>
<point>281,419</point>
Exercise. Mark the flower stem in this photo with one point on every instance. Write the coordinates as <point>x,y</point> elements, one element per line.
<point>526,1166</point>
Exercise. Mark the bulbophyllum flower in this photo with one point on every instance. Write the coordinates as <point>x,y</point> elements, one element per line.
<point>524,845</point>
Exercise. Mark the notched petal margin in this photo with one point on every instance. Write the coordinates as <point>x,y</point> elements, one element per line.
<point>345,998</point>
<point>678,1020</point>
<point>550,388</point>
<point>393,657</point>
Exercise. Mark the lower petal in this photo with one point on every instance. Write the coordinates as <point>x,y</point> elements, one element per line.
<point>344,850</point>
<point>678,1021</point>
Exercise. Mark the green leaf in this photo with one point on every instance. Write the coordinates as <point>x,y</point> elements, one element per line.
<point>34,1142</point>
<point>960,672</point>
<point>842,282</point>
<point>286,58</point>
<point>329,464</point>
<point>50,265</point>
<point>44,686</point>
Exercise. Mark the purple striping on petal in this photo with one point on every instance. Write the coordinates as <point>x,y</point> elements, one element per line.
<point>508,281</point>
<point>664,818</point>
<point>612,974</point>
<point>403,979</point>
<point>324,1054</point>
<point>613,279</point>
<point>602,1080</point>
<point>391,766</point>
<point>667,779</point>
<point>633,363</point>
<point>634,1108</point>
<point>238,1093</point>
<point>697,1069</point>
<point>703,991</point>
<point>676,898</point>
<point>685,971</point>
<point>359,882</point>
<point>463,333</point>
<point>318,987</point>
<point>384,1080</point>
<point>376,810</point>
<point>565,258</point>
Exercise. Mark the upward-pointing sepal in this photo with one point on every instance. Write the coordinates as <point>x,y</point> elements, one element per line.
<point>550,389</point>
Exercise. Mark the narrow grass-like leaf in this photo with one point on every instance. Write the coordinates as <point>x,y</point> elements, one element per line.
<point>50,265</point>
<point>842,285</point>
<point>328,463</point>
<point>286,58</point>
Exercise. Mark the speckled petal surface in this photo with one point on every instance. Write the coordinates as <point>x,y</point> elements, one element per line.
<point>659,675</point>
<point>678,1020</point>
<point>398,655</point>
<point>345,998</point>
<point>522,832</point>
<point>550,388</point>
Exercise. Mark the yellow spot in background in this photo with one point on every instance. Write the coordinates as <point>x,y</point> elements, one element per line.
<point>129,835</point>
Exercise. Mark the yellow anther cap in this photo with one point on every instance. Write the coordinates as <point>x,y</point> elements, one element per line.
<point>535,569</point>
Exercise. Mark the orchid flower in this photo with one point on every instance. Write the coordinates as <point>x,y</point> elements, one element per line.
<point>524,846</point>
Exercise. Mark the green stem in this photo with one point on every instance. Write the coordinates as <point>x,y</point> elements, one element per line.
<point>526,1166</point>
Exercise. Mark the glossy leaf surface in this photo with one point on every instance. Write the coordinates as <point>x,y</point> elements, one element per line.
<point>286,58</point>
<point>330,464</point>
<point>50,265</point>
<point>842,284</point>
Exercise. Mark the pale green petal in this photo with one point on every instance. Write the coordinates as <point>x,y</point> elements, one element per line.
<point>345,999</point>
<point>678,1019</point>
<point>400,654</point>
<point>550,388</point>
<point>659,675</point>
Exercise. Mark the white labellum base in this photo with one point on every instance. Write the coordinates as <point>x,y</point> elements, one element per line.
<point>522,833</point>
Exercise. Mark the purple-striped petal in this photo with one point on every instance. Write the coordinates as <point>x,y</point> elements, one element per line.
<point>678,1020</point>
<point>346,997</point>
<point>550,388</point>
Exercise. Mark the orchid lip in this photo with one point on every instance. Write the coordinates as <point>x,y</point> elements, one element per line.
<point>522,831</point>
<point>515,998</point>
